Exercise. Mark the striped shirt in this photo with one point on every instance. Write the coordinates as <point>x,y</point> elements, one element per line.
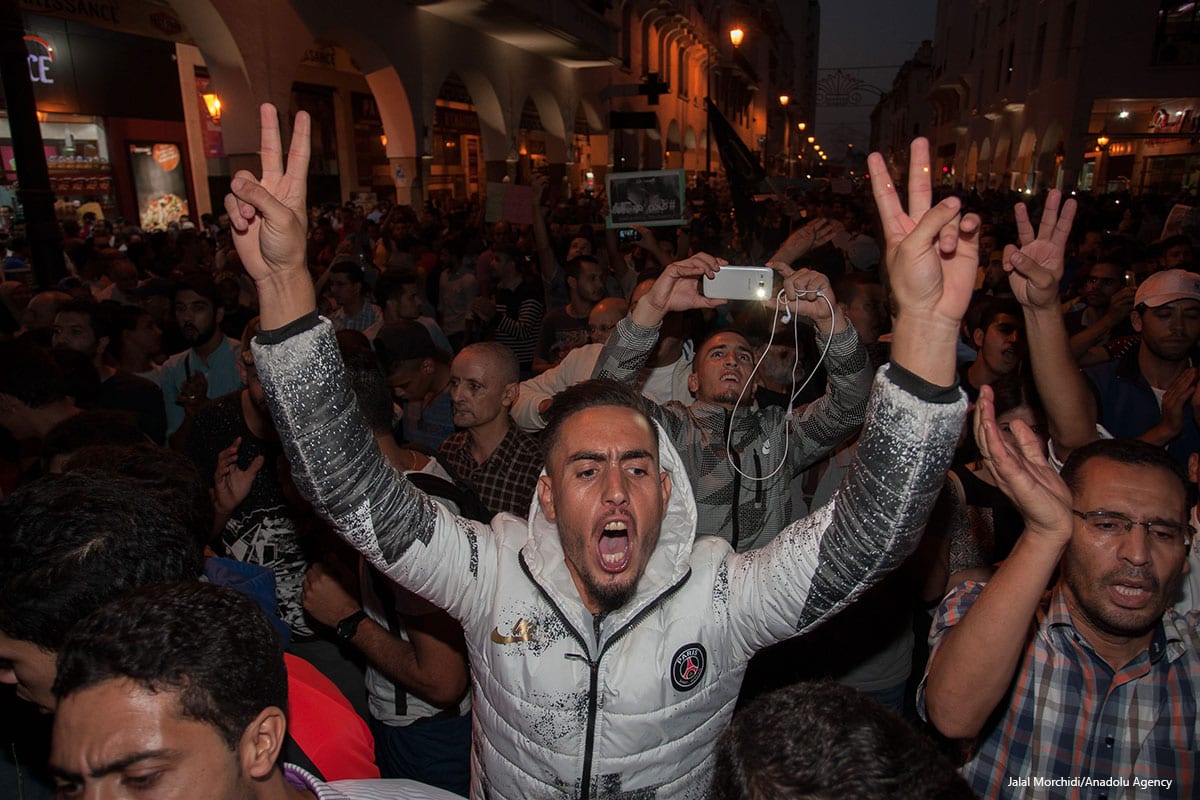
<point>518,321</point>
<point>1072,727</point>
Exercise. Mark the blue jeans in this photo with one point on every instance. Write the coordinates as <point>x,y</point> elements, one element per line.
<point>435,750</point>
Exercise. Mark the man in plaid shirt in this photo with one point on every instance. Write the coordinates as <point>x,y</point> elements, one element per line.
<point>1091,692</point>
<point>489,454</point>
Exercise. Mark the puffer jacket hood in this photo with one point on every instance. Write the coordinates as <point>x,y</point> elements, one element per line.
<point>668,564</point>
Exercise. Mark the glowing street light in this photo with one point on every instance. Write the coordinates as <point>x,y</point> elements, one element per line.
<point>812,139</point>
<point>783,100</point>
<point>802,126</point>
<point>736,34</point>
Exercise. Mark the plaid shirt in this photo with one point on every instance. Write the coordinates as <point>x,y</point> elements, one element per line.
<point>1083,730</point>
<point>369,320</point>
<point>506,480</point>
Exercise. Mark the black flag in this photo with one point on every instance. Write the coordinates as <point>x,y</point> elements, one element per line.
<point>742,169</point>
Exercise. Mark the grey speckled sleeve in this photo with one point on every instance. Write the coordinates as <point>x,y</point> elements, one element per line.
<point>335,461</point>
<point>820,563</point>
<point>626,351</point>
<point>836,416</point>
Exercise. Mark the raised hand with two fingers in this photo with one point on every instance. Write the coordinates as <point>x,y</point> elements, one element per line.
<point>932,254</point>
<point>1036,267</point>
<point>269,217</point>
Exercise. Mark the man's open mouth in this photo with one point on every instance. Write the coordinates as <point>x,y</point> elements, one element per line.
<point>614,547</point>
<point>1130,594</point>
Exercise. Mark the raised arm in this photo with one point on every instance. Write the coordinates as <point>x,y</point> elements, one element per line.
<point>677,289</point>
<point>336,463</point>
<point>839,413</point>
<point>916,412</point>
<point>974,660</point>
<point>1035,270</point>
<point>802,240</point>
<point>547,263</point>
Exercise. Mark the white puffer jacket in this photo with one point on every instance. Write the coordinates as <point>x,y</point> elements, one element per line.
<point>567,705</point>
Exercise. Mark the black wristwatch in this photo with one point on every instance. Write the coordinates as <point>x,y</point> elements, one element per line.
<point>349,626</point>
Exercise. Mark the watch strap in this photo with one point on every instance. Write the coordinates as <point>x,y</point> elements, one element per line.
<point>347,627</point>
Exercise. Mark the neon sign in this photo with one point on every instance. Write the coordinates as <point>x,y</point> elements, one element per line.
<point>39,65</point>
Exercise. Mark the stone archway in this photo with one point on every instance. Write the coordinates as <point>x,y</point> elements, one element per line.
<point>1024,164</point>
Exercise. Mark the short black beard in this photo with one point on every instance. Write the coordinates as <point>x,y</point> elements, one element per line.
<point>1098,619</point>
<point>610,598</point>
<point>205,336</point>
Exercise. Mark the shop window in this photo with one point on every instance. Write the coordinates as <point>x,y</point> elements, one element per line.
<point>77,158</point>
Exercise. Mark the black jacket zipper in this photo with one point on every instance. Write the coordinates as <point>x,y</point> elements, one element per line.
<point>585,788</point>
<point>736,457</point>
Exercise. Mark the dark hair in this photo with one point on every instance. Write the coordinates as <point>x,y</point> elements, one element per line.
<point>826,741</point>
<point>170,475</point>
<point>124,318</point>
<point>717,332</point>
<point>1013,390</point>
<point>509,253</point>
<point>572,268</point>
<point>202,284</point>
<point>211,645</point>
<point>70,542</point>
<point>98,317</point>
<point>28,373</point>
<point>993,307</point>
<point>96,427</point>
<point>370,387</point>
<point>585,395</point>
<point>348,267</point>
<point>391,285</point>
<point>846,288</point>
<point>1133,452</point>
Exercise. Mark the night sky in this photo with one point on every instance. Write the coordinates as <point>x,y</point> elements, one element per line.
<point>874,37</point>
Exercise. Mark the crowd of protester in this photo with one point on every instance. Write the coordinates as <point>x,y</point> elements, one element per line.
<point>141,449</point>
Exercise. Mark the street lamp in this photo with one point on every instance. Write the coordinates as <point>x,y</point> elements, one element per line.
<point>812,140</point>
<point>802,126</point>
<point>736,35</point>
<point>787,133</point>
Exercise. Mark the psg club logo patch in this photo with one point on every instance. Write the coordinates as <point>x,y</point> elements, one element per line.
<point>688,666</point>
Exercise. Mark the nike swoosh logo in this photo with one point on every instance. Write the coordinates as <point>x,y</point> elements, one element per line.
<point>523,631</point>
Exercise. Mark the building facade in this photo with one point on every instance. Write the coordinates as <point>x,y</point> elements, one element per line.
<point>1085,95</point>
<point>420,100</point>
<point>903,113</point>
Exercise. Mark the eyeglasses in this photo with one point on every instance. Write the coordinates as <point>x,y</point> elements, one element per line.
<point>1112,524</point>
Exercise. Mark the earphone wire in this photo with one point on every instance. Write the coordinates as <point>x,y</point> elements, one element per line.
<point>787,419</point>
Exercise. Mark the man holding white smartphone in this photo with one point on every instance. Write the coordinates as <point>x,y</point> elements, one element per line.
<point>741,465</point>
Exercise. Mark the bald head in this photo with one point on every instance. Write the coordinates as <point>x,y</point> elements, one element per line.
<point>42,308</point>
<point>604,317</point>
<point>498,359</point>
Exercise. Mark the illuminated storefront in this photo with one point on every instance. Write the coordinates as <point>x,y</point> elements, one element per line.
<point>109,109</point>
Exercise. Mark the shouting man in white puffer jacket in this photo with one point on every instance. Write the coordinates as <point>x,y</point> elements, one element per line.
<point>607,644</point>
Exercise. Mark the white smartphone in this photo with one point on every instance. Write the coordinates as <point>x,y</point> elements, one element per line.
<point>741,283</point>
